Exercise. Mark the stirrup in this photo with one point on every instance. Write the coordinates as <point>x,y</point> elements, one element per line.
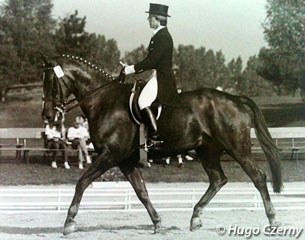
<point>147,145</point>
<point>150,144</point>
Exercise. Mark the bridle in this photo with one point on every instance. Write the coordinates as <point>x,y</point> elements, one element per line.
<point>62,104</point>
<point>57,97</point>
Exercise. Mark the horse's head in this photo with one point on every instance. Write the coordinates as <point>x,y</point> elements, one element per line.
<point>54,91</point>
<point>68,74</point>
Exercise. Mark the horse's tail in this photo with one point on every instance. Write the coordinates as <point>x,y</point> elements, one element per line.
<point>270,149</point>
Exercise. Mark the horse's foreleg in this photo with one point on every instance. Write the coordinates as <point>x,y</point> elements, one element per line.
<point>96,169</point>
<point>211,163</point>
<point>134,176</point>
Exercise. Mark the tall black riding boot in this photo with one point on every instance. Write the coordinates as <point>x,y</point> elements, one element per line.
<point>150,121</point>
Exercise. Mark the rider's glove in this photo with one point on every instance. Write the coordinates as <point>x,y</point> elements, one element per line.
<point>129,69</point>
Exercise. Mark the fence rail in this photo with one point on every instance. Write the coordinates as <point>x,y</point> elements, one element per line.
<point>290,140</point>
<point>124,199</point>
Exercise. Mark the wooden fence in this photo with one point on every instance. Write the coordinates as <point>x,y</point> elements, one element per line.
<point>121,197</point>
<point>5,90</point>
<point>290,140</point>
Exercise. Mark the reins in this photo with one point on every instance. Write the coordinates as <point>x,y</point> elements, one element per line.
<point>79,102</point>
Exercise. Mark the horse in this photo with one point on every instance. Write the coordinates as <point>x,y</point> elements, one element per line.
<point>206,120</point>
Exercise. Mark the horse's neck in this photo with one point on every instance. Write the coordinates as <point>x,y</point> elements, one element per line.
<point>81,81</point>
<point>104,99</point>
<point>86,89</point>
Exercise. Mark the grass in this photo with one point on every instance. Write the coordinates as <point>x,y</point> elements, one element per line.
<point>40,173</point>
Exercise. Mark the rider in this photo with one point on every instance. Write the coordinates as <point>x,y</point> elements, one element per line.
<point>162,84</point>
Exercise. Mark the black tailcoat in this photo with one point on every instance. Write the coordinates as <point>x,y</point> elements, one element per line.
<point>160,57</point>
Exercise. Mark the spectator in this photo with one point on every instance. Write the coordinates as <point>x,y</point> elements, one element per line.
<point>78,136</point>
<point>180,158</point>
<point>55,133</point>
<point>86,125</point>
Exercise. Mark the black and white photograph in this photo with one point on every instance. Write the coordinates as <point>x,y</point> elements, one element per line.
<point>152,119</point>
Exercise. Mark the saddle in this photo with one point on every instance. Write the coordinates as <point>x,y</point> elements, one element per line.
<point>136,112</point>
<point>134,106</point>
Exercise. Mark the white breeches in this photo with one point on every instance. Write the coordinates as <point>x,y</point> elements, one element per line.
<point>149,93</point>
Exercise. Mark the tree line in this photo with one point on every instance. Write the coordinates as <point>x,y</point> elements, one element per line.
<point>28,26</point>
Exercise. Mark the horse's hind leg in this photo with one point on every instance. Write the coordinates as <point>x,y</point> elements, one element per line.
<point>134,176</point>
<point>210,159</point>
<point>96,169</point>
<point>258,177</point>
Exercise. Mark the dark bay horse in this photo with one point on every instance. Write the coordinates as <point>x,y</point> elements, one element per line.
<point>207,121</point>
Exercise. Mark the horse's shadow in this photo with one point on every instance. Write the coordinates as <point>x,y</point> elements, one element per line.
<point>140,227</point>
<point>109,228</point>
<point>29,231</point>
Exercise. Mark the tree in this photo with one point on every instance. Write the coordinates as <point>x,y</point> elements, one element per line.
<point>25,28</point>
<point>218,70</point>
<point>269,68</point>
<point>234,81</point>
<point>71,38</point>
<point>211,68</point>
<point>197,68</point>
<point>8,65</point>
<point>191,67</point>
<point>252,83</point>
<point>104,52</point>
<point>284,31</point>
<point>135,56</point>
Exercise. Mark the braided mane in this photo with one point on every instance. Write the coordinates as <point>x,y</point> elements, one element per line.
<point>89,64</point>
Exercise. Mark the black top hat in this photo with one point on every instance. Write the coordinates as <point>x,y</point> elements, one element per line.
<point>158,9</point>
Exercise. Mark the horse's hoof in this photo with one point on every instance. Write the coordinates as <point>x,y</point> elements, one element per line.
<point>276,224</point>
<point>70,228</point>
<point>272,226</point>
<point>195,224</point>
<point>157,227</point>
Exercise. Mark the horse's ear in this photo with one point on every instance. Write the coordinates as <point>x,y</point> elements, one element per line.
<point>43,57</point>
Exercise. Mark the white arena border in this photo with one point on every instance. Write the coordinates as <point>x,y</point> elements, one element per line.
<point>119,196</point>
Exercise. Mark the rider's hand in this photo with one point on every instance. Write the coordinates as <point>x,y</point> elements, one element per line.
<point>129,69</point>
<point>121,77</point>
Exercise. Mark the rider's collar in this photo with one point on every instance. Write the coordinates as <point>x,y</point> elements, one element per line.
<point>158,29</point>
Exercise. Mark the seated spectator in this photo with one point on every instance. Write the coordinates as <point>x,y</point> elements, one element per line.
<point>78,136</point>
<point>54,133</point>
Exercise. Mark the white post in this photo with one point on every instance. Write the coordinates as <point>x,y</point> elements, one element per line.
<point>59,201</point>
<point>193,198</point>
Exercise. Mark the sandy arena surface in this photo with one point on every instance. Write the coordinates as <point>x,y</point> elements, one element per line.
<point>124,225</point>
<point>137,225</point>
